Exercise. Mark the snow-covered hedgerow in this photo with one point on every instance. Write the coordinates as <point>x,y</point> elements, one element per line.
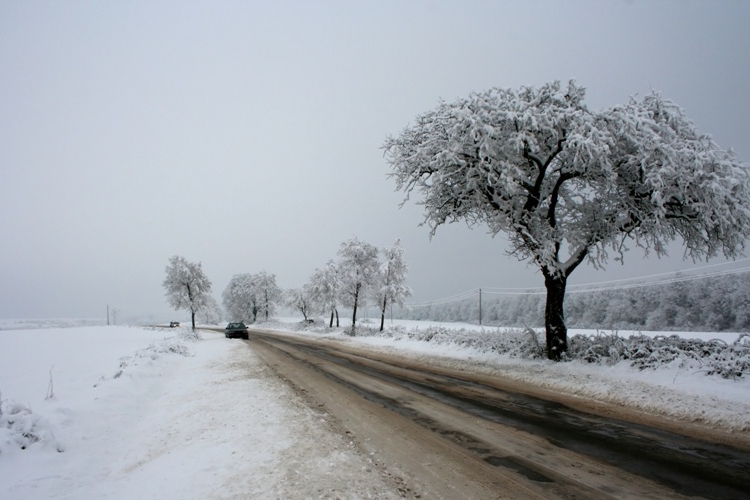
<point>521,343</point>
<point>714,357</point>
<point>20,428</point>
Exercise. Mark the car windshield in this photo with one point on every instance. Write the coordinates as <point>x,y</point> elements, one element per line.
<point>235,325</point>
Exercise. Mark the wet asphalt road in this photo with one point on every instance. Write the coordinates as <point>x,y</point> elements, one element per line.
<point>684,465</point>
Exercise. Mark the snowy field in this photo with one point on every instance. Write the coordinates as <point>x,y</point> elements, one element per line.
<point>138,413</point>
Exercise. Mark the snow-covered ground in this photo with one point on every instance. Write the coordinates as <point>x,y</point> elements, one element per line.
<point>150,414</point>
<point>121,413</point>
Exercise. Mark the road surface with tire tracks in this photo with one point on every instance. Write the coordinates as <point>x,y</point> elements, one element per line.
<point>447,433</point>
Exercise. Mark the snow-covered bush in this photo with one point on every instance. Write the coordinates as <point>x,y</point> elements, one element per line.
<point>21,428</point>
<point>602,348</point>
<point>521,343</point>
<point>714,357</point>
<point>315,325</point>
<point>189,335</point>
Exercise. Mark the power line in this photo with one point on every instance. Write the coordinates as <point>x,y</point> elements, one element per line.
<point>445,300</point>
<point>677,279</point>
<point>661,274</point>
<point>598,286</point>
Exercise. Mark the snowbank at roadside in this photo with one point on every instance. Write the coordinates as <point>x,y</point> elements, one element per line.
<point>135,413</point>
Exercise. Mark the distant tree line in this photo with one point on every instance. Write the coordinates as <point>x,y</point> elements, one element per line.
<point>358,276</point>
<point>715,304</point>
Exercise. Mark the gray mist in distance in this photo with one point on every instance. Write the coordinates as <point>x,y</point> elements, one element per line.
<point>246,135</point>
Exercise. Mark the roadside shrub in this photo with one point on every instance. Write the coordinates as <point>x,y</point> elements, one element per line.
<point>21,428</point>
<point>714,357</point>
<point>516,343</point>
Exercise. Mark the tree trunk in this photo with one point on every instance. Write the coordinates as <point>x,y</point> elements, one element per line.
<point>331,325</point>
<point>554,317</point>
<point>354,309</point>
<point>337,318</point>
<point>192,304</point>
<point>382,313</point>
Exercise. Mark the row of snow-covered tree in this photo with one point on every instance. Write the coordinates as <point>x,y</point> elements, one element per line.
<point>719,303</point>
<point>188,288</point>
<point>356,278</point>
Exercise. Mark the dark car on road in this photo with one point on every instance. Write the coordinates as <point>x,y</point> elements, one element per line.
<point>236,330</point>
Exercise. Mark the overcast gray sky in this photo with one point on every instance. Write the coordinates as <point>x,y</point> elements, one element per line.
<point>246,135</point>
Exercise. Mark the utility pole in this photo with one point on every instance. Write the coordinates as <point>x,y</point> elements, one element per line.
<point>480,307</point>
<point>107,314</point>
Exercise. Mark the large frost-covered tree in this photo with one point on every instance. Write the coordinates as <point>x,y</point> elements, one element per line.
<point>212,313</point>
<point>358,270</point>
<point>391,280</point>
<point>323,288</point>
<point>187,286</point>
<point>248,295</point>
<point>269,293</point>
<point>567,184</point>
<point>240,298</point>
<point>298,299</point>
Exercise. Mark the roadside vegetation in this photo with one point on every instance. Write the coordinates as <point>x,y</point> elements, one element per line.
<point>729,360</point>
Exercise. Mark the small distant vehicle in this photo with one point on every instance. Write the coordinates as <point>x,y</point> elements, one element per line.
<point>236,331</point>
<point>174,324</point>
